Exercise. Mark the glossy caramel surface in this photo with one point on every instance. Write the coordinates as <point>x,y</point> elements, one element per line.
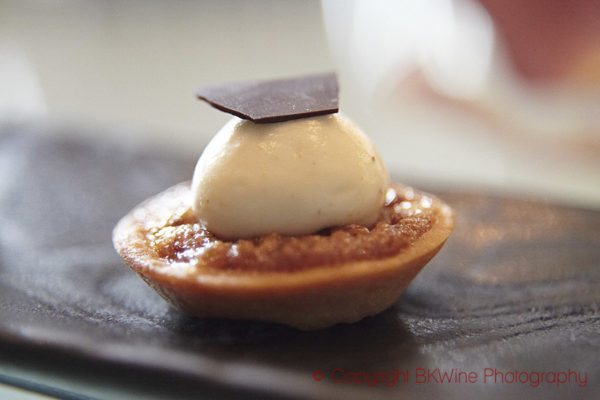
<point>172,233</point>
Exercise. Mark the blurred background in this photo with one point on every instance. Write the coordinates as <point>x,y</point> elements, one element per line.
<point>455,93</point>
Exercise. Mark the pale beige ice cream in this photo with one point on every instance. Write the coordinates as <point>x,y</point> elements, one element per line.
<point>295,177</point>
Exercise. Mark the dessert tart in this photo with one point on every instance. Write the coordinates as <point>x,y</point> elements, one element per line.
<point>316,237</point>
<point>340,274</point>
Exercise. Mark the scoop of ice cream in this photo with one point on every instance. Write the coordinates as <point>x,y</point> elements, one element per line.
<point>295,177</point>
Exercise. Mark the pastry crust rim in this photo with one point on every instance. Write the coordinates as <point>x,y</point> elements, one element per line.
<point>144,263</point>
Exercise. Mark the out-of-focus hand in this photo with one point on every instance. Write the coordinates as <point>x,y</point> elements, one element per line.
<point>550,40</point>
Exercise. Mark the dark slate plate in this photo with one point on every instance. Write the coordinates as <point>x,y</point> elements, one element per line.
<point>515,288</point>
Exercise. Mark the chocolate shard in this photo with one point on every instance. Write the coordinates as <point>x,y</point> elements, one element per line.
<point>276,100</point>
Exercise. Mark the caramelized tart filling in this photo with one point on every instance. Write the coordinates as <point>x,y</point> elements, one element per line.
<point>169,227</point>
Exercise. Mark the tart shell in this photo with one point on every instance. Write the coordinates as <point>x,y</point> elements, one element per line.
<point>308,299</point>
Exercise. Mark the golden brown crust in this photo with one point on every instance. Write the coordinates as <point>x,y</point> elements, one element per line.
<point>307,298</point>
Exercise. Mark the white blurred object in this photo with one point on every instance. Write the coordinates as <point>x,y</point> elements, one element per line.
<point>451,42</point>
<point>429,80</point>
<point>21,96</point>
